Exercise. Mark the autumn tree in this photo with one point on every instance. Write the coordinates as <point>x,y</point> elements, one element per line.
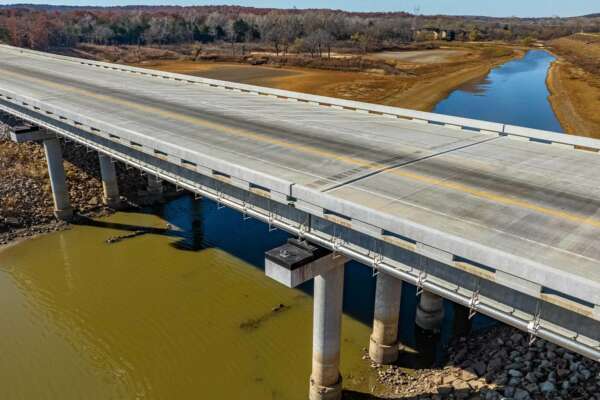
<point>38,32</point>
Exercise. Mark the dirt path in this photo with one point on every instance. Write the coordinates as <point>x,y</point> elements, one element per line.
<point>422,56</point>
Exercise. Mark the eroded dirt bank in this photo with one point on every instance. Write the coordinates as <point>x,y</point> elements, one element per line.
<point>415,85</point>
<point>574,84</point>
<point>26,207</point>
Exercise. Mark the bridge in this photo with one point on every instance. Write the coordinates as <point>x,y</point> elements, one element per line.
<point>501,219</point>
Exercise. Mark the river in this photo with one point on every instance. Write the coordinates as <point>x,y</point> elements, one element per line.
<point>514,93</point>
<point>184,309</point>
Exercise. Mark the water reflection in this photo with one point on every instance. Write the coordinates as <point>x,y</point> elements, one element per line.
<point>514,93</point>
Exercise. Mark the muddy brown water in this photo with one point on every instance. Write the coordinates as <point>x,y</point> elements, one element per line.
<point>161,315</point>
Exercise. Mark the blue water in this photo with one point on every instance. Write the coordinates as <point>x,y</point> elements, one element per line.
<point>514,93</point>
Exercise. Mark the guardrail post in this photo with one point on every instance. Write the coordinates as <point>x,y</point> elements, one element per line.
<point>58,180</point>
<point>383,345</point>
<point>110,185</point>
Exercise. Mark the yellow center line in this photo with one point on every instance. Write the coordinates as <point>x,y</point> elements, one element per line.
<point>455,186</point>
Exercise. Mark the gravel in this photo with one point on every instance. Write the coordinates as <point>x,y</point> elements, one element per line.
<point>497,364</point>
<point>26,206</point>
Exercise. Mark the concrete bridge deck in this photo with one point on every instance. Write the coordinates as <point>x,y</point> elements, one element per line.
<point>525,212</point>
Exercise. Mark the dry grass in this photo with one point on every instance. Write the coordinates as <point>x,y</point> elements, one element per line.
<point>575,83</point>
<point>582,50</point>
<point>412,85</point>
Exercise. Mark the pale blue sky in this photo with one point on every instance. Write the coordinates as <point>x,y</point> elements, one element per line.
<point>498,8</point>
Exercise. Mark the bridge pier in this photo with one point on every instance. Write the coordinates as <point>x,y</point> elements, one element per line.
<point>325,379</point>
<point>430,311</point>
<point>110,186</point>
<point>155,186</point>
<point>383,345</point>
<point>297,262</point>
<point>58,180</point>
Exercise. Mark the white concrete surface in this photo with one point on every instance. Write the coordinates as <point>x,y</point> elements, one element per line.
<point>58,182</point>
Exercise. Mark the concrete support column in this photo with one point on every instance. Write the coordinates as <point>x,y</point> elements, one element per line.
<point>430,311</point>
<point>58,180</point>
<point>109,182</point>
<point>383,346</point>
<point>325,380</point>
<point>155,186</point>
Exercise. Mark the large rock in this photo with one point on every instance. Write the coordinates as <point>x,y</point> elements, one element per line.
<point>547,387</point>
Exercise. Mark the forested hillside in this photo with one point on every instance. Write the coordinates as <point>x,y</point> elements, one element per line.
<point>311,31</point>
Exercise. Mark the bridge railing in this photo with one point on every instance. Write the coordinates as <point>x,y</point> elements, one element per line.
<point>484,127</point>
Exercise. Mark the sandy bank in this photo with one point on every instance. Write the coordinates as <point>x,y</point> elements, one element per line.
<point>574,83</point>
<point>574,98</point>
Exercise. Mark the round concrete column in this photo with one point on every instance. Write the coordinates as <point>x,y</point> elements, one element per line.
<point>383,346</point>
<point>430,311</point>
<point>109,182</point>
<point>325,380</point>
<point>58,179</point>
<point>155,186</point>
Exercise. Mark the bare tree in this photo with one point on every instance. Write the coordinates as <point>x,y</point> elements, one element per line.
<point>271,30</point>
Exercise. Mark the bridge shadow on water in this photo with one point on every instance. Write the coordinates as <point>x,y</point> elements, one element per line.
<point>201,224</point>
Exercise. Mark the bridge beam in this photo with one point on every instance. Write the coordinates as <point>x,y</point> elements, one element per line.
<point>58,180</point>
<point>110,185</point>
<point>430,311</point>
<point>383,345</point>
<point>297,262</point>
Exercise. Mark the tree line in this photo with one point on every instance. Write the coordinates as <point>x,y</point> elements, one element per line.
<point>310,31</point>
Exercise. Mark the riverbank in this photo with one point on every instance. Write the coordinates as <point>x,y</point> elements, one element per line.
<point>574,84</point>
<point>497,364</point>
<point>416,84</point>
<point>26,207</point>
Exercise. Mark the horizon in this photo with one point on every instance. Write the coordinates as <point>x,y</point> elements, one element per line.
<point>471,8</point>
